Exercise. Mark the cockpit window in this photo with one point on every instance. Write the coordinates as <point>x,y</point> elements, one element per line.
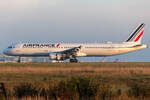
<point>10,47</point>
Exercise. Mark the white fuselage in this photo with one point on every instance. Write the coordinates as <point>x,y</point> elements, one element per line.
<point>61,52</point>
<point>107,49</point>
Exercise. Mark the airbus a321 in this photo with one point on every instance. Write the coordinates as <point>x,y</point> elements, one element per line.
<point>59,52</point>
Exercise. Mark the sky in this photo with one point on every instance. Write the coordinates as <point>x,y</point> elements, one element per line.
<point>79,21</point>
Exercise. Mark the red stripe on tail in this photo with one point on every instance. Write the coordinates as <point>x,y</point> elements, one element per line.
<point>139,36</point>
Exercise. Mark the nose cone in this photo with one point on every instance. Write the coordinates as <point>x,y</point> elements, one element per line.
<point>7,51</point>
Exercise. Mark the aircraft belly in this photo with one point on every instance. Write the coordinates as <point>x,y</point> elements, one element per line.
<point>110,51</point>
<point>100,52</point>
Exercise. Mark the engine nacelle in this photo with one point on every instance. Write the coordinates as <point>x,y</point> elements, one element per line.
<point>58,56</point>
<point>55,56</point>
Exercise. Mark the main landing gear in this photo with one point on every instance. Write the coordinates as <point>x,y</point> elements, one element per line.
<point>74,60</point>
<point>19,60</point>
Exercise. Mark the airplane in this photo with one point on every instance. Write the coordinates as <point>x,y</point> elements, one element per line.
<point>58,52</point>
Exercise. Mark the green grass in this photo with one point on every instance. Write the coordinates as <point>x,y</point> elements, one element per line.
<point>36,72</point>
<point>116,75</point>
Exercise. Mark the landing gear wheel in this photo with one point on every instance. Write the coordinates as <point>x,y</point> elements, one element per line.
<point>19,60</point>
<point>54,61</point>
<point>74,60</point>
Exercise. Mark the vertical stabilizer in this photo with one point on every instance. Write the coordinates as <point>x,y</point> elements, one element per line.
<point>137,34</point>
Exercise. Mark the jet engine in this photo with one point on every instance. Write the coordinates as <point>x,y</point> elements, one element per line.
<point>55,56</point>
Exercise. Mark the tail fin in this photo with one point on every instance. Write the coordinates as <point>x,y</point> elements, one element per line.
<point>137,34</point>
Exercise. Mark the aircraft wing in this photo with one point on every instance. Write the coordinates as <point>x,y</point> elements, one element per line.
<point>68,54</point>
<point>72,50</point>
<point>72,53</point>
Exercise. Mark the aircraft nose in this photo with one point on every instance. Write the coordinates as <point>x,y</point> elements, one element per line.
<point>6,52</point>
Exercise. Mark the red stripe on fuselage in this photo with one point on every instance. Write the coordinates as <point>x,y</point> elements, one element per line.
<point>57,45</point>
<point>139,36</point>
